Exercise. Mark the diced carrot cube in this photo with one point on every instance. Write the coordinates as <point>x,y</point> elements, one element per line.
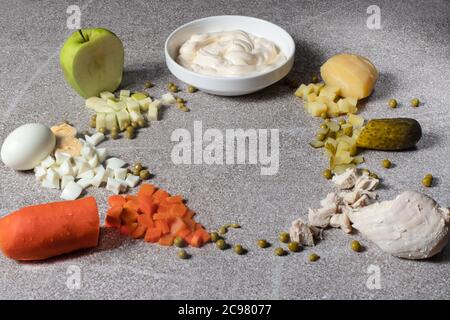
<point>113,217</point>
<point>116,200</point>
<point>190,214</point>
<point>129,215</point>
<point>139,232</point>
<point>133,204</point>
<point>174,199</point>
<point>152,234</point>
<point>163,226</point>
<point>147,206</point>
<point>128,228</point>
<point>196,240</point>
<point>177,225</point>
<point>146,190</point>
<point>189,222</point>
<point>159,196</point>
<point>146,220</point>
<point>166,240</point>
<point>184,233</point>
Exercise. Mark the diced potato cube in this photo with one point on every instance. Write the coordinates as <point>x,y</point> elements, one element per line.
<point>333,109</point>
<point>356,121</point>
<point>331,89</point>
<point>316,108</point>
<point>347,105</point>
<point>300,92</point>
<point>311,97</point>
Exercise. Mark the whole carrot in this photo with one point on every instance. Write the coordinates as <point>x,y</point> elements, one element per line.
<point>46,230</point>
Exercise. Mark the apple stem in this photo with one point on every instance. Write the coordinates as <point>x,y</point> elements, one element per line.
<point>81,33</point>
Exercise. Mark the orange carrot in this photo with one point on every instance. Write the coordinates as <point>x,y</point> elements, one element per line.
<point>113,216</point>
<point>163,226</point>
<point>139,232</point>
<point>152,234</point>
<point>146,220</point>
<point>146,190</point>
<point>166,240</point>
<point>46,230</point>
<point>159,196</point>
<point>129,215</point>
<point>116,200</point>
<point>156,214</point>
<point>129,228</point>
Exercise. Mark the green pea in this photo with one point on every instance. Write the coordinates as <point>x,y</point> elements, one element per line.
<point>141,123</point>
<point>356,246</point>
<point>284,237</point>
<point>386,164</point>
<point>313,257</point>
<point>323,126</point>
<point>214,236</point>
<point>263,243</point>
<point>327,174</point>
<point>280,252</point>
<point>235,225</point>
<point>92,123</point>
<point>94,117</point>
<point>392,103</point>
<point>130,129</point>
<point>415,102</point>
<point>114,134</point>
<point>223,230</point>
<point>221,244</point>
<point>102,130</point>
<point>427,181</point>
<point>182,254</point>
<point>148,84</point>
<point>294,246</point>
<point>138,166</point>
<point>179,242</point>
<point>129,134</point>
<point>324,115</point>
<point>239,249</point>
<point>144,174</point>
<point>134,125</point>
<point>191,89</point>
<point>342,122</point>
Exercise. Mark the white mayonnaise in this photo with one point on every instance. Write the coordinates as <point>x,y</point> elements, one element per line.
<point>229,53</point>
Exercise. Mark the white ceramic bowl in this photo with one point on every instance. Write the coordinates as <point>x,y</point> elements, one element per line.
<point>230,86</point>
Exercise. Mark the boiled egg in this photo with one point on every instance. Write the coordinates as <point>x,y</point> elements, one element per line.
<point>26,146</point>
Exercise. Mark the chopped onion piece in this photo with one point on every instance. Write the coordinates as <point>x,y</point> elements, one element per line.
<point>48,162</point>
<point>114,163</point>
<point>132,180</point>
<point>65,180</point>
<point>120,173</point>
<point>95,139</point>
<point>71,191</point>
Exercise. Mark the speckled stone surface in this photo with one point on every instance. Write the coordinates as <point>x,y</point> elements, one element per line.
<point>412,53</point>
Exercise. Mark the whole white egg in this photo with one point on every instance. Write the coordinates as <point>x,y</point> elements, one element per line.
<point>27,146</point>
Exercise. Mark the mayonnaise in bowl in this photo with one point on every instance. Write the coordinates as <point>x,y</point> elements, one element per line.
<point>230,54</point>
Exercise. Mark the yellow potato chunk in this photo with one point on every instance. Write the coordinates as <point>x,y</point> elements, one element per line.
<point>347,105</point>
<point>316,108</point>
<point>354,75</point>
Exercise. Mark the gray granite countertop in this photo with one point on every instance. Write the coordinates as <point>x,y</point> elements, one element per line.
<point>412,53</point>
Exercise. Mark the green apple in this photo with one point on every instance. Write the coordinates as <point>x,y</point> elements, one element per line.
<point>92,61</point>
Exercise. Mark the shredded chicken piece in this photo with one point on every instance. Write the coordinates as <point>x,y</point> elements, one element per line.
<point>341,221</point>
<point>321,217</point>
<point>347,179</point>
<point>411,226</point>
<point>303,233</point>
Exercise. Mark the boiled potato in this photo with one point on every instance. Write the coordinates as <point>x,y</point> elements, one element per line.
<point>354,75</point>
